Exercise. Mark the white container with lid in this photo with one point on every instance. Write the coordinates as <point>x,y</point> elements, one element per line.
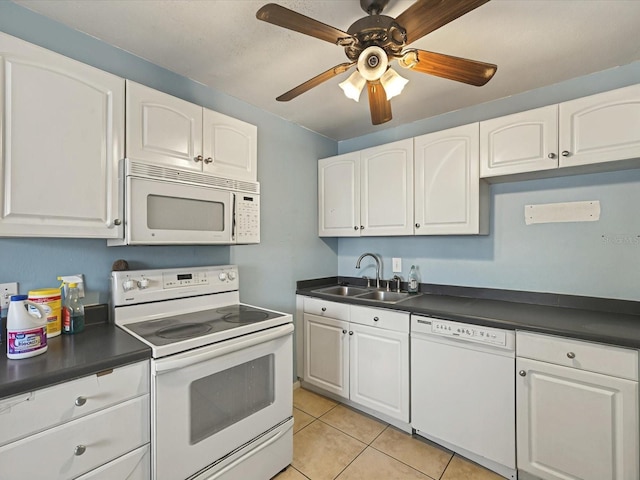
<point>26,332</point>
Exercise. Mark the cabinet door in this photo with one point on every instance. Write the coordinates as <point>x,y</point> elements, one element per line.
<point>449,198</point>
<point>339,196</point>
<point>519,143</point>
<point>379,370</point>
<point>229,147</point>
<point>386,196</point>
<point>326,354</point>
<point>162,128</point>
<point>600,128</point>
<point>62,131</point>
<point>575,424</point>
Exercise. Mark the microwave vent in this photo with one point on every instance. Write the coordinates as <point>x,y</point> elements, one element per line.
<point>160,172</point>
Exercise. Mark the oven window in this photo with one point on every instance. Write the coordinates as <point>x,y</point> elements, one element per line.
<point>225,398</point>
<point>175,213</point>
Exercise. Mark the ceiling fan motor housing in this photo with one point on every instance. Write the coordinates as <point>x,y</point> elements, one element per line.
<point>376,30</point>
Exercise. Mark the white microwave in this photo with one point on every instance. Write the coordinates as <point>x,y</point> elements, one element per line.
<point>166,205</point>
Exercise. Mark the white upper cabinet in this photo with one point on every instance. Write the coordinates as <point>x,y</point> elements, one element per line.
<point>386,195</point>
<point>600,128</point>
<point>165,129</point>
<point>230,146</point>
<point>367,193</point>
<point>518,143</point>
<point>162,128</point>
<point>450,199</point>
<point>339,196</point>
<point>62,135</point>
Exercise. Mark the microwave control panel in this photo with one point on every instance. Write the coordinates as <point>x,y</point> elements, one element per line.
<point>247,218</point>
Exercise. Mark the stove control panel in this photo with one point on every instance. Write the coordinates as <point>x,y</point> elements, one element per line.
<point>139,286</point>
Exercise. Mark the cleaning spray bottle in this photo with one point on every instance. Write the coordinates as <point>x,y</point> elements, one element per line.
<point>26,332</point>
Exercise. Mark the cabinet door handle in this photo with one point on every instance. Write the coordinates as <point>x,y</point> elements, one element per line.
<point>565,153</point>
<point>350,333</point>
<point>79,450</point>
<point>571,355</point>
<point>355,227</point>
<point>208,160</point>
<point>522,373</point>
<point>80,401</point>
<point>324,309</point>
<point>361,227</point>
<point>344,331</point>
<point>375,319</point>
<point>417,225</point>
<point>199,158</point>
<point>552,155</point>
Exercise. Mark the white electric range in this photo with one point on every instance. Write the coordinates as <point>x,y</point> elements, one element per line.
<point>221,373</point>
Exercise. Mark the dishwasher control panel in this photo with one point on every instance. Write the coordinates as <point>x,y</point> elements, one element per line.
<point>469,332</point>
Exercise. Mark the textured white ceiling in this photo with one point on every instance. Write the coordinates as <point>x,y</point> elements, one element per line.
<point>220,43</point>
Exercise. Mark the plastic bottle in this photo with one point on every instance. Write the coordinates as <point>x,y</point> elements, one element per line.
<point>73,312</point>
<point>414,280</point>
<point>26,332</point>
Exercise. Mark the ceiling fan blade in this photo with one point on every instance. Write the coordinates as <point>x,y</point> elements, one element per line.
<point>425,16</point>
<point>459,69</point>
<point>378,104</point>
<point>315,81</point>
<point>283,17</point>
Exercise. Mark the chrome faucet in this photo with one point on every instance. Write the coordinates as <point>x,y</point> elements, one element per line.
<point>377,266</point>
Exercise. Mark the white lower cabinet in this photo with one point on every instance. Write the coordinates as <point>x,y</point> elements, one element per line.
<point>94,427</point>
<point>362,356</point>
<point>576,409</point>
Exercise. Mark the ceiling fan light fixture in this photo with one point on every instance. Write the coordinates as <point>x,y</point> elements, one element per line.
<point>372,63</point>
<point>353,86</point>
<point>393,83</point>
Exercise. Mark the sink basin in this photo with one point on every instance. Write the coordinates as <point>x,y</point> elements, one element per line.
<point>384,296</point>
<point>342,291</point>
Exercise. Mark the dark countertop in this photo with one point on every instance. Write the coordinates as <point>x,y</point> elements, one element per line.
<point>99,347</point>
<point>615,322</point>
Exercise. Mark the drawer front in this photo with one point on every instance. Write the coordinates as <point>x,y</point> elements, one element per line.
<point>33,412</point>
<point>593,357</point>
<point>134,465</point>
<point>324,308</point>
<point>377,317</point>
<point>58,453</point>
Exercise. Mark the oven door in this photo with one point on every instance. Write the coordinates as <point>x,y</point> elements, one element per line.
<point>210,401</point>
<point>165,213</point>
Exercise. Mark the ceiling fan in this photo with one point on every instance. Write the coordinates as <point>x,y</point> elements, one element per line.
<point>374,41</point>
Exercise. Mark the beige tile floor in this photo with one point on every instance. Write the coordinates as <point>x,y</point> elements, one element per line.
<point>332,441</point>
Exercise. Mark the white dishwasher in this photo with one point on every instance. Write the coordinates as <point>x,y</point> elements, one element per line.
<point>463,390</point>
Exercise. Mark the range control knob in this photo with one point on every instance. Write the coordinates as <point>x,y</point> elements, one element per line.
<point>231,275</point>
<point>128,285</point>
<point>143,283</point>
<point>222,276</point>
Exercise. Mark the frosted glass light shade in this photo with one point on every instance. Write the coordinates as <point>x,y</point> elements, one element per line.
<point>353,86</point>
<point>392,83</point>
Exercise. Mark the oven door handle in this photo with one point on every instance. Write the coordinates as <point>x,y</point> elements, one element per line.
<point>203,354</point>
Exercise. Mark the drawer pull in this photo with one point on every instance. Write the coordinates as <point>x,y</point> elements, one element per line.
<point>79,450</point>
<point>571,355</point>
<point>80,401</point>
<point>324,309</point>
<point>522,373</point>
<point>375,319</point>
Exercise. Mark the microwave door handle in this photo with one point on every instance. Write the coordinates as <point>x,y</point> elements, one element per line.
<point>233,217</point>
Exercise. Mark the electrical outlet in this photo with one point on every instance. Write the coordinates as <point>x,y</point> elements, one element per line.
<point>397,265</point>
<point>6,290</point>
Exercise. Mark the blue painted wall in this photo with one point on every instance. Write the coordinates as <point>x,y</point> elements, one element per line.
<point>287,158</point>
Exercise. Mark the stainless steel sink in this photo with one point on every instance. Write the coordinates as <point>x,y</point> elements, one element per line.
<point>365,294</point>
<point>342,291</point>
<point>384,296</point>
